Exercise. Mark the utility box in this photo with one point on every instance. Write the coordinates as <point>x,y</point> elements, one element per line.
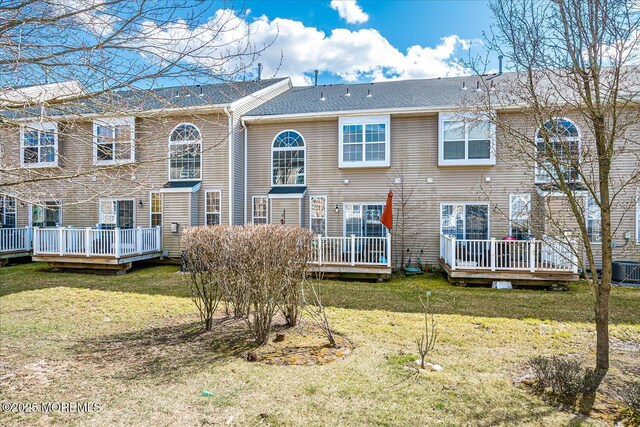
<point>175,227</point>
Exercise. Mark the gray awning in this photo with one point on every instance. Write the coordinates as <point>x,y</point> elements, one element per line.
<point>288,192</point>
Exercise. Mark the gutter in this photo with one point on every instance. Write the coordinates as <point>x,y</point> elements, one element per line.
<point>228,112</point>
<point>244,126</point>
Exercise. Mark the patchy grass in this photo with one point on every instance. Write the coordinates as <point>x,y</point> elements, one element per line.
<point>133,344</point>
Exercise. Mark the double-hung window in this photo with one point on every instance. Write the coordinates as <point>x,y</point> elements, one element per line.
<point>520,216</point>
<point>46,214</point>
<point>465,220</point>
<point>155,209</point>
<point>212,207</point>
<point>7,212</point>
<point>465,140</point>
<point>318,211</point>
<point>113,141</point>
<point>39,145</point>
<point>260,210</point>
<point>558,150</point>
<point>364,141</point>
<point>185,153</point>
<point>592,215</point>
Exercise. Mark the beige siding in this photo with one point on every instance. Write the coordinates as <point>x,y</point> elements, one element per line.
<point>414,158</point>
<point>287,209</point>
<point>175,209</point>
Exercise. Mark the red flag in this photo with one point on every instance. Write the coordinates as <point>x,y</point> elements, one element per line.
<point>387,214</point>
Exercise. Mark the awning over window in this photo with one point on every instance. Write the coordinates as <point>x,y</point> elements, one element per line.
<point>181,187</point>
<point>289,192</point>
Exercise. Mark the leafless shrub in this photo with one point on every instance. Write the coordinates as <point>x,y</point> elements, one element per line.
<point>630,394</point>
<point>317,313</point>
<point>202,250</point>
<point>564,376</point>
<point>296,250</point>
<point>426,342</point>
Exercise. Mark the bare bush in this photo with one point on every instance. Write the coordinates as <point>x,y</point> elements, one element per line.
<point>297,249</point>
<point>202,249</point>
<point>317,313</point>
<point>426,342</point>
<point>564,376</point>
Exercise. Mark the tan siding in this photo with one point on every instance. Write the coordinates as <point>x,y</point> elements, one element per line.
<point>289,209</point>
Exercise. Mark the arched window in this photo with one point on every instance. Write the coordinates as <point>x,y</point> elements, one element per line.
<point>287,159</point>
<point>558,144</point>
<point>185,147</point>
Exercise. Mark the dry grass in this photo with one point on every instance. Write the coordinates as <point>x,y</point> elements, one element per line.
<point>132,343</point>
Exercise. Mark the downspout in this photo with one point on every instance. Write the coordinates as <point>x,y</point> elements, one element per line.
<point>230,128</point>
<point>244,126</point>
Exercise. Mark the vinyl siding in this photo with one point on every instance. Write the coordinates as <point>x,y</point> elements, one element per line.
<point>414,157</point>
<point>289,209</point>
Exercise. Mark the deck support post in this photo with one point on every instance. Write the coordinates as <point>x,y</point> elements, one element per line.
<point>36,241</point>
<point>61,241</point>
<point>388,249</point>
<point>139,240</point>
<point>353,249</point>
<point>492,254</point>
<point>320,249</point>
<point>574,257</point>
<point>532,255</point>
<point>116,240</point>
<point>87,242</point>
<point>158,238</point>
<point>453,253</point>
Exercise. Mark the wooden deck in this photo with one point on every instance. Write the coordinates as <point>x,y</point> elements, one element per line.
<point>6,256</point>
<point>483,277</point>
<point>70,262</point>
<point>379,272</point>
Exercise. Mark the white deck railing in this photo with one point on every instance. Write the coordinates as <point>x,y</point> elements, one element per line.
<point>15,239</point>
<point>94,242</point>
<point>547,254</point>
<point>374,251</point>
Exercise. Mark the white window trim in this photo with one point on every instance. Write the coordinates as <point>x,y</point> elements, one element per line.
<point>491,161</point>
<point>46,126</point>
<point>304,149</point>
<point>465,219</point>
<point>253,217</point>
<point>344,217</point>
<point>213,190</point>
<point>161,206</point>
<point>114,121</point>
<point>326,212</point>
<point>365,120</point>
<point>4,207</point>
<point>170,143</point>
<point>38,202</point>
<point>536,180</point>
<point>588,196</point>
<point>117,199</point>
<point>511,222</point>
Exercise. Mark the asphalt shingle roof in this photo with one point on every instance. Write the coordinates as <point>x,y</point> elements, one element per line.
<point>427,93</point>
<point>137,100</point>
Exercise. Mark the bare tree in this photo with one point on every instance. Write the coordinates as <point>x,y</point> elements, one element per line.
<point>66,60</point>
<point>407,214</point>
<point>575,68</point>
<point>426,342</point>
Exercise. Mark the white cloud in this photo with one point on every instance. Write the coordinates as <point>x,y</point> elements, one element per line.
<point>350,11</point>
<point>295,50</point>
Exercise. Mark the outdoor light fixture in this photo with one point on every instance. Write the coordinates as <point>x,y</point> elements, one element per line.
<point>337,208</point>
<point>140,203</point>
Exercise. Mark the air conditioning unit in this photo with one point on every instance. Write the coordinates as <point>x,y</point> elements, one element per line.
<point>626,271</point>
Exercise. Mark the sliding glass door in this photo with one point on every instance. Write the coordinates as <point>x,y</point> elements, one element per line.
<point>363,220</point>
<point>117,214</point>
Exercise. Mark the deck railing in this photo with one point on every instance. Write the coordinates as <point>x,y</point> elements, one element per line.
<point>353,250</point>
<point>93,242</point>
<point>546,254</point>
<point>15,239</point>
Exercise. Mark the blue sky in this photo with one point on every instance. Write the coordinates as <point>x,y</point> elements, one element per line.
<point>403,23</point>
<point>349,40</point>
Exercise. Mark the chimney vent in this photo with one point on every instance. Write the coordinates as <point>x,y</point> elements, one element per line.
<point>322,98</point>
<point>500,65</point>
<point>464,85</point>
<point>347,94</point>
<point>316,78</point>
<point>368,93</point>
<point>259,71</point>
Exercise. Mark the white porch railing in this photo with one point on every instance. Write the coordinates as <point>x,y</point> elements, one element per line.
<point>354,251</point>
<point>15,239</point>
<point>89,242</point>
<point>547,254</point>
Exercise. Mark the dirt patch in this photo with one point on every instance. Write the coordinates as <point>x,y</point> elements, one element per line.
<point>304,344</point>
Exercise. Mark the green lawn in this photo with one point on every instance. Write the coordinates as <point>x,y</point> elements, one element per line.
<point>132,344</point>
